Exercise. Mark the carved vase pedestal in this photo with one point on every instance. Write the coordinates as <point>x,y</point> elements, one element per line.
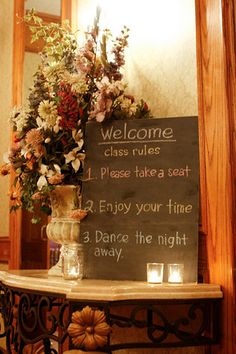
<point>63,228</point>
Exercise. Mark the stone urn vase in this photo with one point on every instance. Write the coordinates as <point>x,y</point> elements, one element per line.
<point>64,225</point>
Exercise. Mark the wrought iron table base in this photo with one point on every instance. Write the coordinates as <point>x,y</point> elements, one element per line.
<point>32,317</point>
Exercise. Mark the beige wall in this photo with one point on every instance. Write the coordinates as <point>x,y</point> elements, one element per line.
<point>6,40</point>
<point>161,57</point>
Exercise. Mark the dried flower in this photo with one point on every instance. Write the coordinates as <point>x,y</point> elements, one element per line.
<point>79,214</point>
<point>34,137</point>
<point>5,169</point>
<point>56,179</point>
<point>48,113</point>
<point>72,85</point>
<point>37,196</point>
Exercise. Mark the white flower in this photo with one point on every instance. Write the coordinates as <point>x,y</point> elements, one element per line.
<point>78,137</point>
<point>127,105</point>
<point>19,118</point>
<point>54,70</point>
<point>57,168</point>
<point>47,114</point>
<point>42,182</point>
<point>76,81</point>
<point>115,87</point>
<point>46,172</point>
<point>43,169</point>
<point>75,158</point>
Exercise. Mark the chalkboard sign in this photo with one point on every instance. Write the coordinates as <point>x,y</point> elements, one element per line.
<point>141,184</point>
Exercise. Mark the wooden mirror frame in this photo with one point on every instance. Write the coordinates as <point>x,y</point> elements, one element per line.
<point>216,73</point>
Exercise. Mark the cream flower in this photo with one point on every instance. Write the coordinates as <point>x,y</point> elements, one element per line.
<point>78,137</point>
<point>54,70</point>
<point>75,158</point>
<point>72,84</point>
<point>114,87</point>
<point>46,172</point>
<point>127,105</point>
<point>47,114</point>
<point>19,118</point>
<point>42,182</point>
<point>76,81</point>
<point>43,169</point>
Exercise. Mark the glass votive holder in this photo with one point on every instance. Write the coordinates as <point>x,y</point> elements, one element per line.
<point>72,261</point>
<point>155,272</point>
<point>175,273</point>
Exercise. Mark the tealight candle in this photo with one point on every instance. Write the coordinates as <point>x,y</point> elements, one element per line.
<point>155,272</point>
<point>175,273</point>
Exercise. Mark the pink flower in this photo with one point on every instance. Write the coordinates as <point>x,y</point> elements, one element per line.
<point>37,196</point>
<point>15,197</point>
<point>34,137</point>
<point>56,179</point>
<point>39,151</point>
<point>78,214</point>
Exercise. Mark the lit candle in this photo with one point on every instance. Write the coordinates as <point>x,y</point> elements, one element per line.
<point>155,272</point>
<point>73,271</point>
<point>72,262</point>
<point>175,273</point>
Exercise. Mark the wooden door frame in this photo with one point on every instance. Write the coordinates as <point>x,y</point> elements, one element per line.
<point>15,229</point>
<point>215,21</point>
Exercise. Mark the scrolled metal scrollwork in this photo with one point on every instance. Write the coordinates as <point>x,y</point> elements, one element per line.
<point>9,311</point>
<point>35,321</point>
<point>40,317</point>
<point>197,312</point>
<point>27,314</point>
<point>160,326</point>
<point>30,319</point>
<point>46,318</point>
<point>156,332</point>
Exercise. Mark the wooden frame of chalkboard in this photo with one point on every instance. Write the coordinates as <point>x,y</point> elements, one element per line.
<point>141,191</point>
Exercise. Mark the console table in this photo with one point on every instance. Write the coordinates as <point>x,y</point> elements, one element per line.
<point>102,315</point>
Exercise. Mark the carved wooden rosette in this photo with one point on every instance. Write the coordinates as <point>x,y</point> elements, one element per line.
<point>89,329</point>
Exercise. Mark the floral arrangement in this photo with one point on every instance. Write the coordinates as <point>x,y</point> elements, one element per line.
<point>72,85</point>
